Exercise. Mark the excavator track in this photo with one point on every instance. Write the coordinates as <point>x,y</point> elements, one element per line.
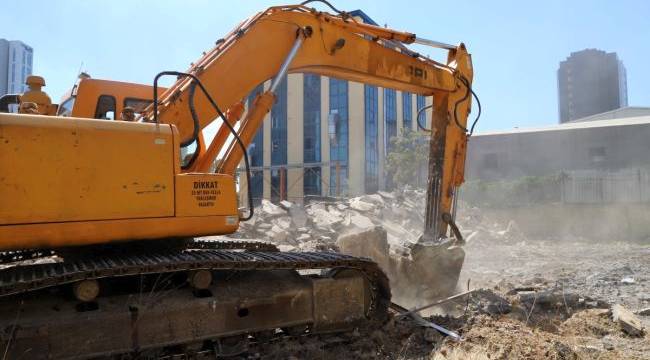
<point>270,281</point>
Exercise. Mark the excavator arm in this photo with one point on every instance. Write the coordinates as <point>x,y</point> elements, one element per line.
<point>289,39</point>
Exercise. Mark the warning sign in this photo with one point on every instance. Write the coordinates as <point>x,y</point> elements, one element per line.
<point>205,193</point>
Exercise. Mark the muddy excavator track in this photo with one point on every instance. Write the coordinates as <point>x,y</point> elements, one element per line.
<point>258,261</point>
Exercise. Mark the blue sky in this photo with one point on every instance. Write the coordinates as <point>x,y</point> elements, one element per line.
<point>516,45</point>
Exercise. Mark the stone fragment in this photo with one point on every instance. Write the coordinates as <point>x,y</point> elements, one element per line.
<point>277,234</point>
<point>629,323</point>
<point>627,280</point>
<point>298,216</point>
<point>271,209</point>
<point>286,248</point>
<point>386,195</point>
<point>372,243</point>
<point>360,205</point>
<point>283,223</point>
<point>360,221</point>
<point>285,204</point>
<point>324,219</point>
<point>373,199</point>
<point>303,237</point>
<point>264,226</point>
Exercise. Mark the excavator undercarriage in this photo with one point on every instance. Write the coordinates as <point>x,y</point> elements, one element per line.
<point>210,297</point>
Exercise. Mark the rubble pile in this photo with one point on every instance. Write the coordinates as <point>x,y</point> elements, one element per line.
<point>386,226</point>
<point>318,225</point>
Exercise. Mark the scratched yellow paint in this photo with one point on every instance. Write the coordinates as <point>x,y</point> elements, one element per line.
<point>68,169</point>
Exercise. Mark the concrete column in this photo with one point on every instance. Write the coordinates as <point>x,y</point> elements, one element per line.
<point>295,136</point>
<point>400,113</point>
<point>380,137</point>
<point>356,146</point>
<point>267,149</point>
<point>325,140</point>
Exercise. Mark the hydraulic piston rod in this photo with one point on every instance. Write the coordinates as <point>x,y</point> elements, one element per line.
<point>435,44</point>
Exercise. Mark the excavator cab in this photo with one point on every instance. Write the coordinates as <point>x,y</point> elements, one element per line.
<point>104,99</point>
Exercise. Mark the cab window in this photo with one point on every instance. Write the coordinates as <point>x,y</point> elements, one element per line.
<point>105,108</point>
<point>137,104</point>
<point>65,109</point>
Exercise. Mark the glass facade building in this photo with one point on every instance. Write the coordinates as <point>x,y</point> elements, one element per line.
<point>279,141</point>
<point>420,103</point>
<point>256,153</point>
<point>345,128</point>
<point>16,60</point>
<point>338,136</point>
<point>371,130</point>
<point>311,134</point>
<point>390,117</point>
<point>407,110</point>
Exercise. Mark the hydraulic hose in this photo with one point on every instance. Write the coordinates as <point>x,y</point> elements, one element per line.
<point>196,81</point>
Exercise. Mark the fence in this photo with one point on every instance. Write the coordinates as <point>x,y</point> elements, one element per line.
<point>625,186</point>
<point>595,187</point>
<point>283,180</point>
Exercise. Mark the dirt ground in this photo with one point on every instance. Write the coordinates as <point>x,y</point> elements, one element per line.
<point>590,276</point>
<point>599,273</point>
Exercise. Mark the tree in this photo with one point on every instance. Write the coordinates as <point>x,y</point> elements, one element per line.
<point>407,161</point>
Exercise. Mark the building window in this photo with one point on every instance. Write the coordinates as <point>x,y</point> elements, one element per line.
<point>407,110</point>
<point>491,161</point>
<point>371,110</point>
<point>279,141</point>
<point>597,154</point>
<point>256,153</point>
<point>420,103</point>
<point>311,131</point>
<point>338,136</point>
<point>390,117</point>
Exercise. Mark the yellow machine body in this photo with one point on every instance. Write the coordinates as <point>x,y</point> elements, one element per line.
<point>73,181</point>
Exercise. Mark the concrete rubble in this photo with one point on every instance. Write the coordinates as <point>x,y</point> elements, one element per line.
<point>627,320</point>
<point>385,226</point>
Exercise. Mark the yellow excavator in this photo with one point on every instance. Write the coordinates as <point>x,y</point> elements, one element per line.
<point>100,221</point>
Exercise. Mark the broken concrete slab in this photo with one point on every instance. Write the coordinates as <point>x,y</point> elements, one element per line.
<point>268,208</point>
<point>386,195</point>
<point>360,205</point>
<point>285,204</point>
<point>283,223</point>
<point>324,219</point>
<point>277,234</point>
<point>372,243</point>
<point>375,199</point>
<point>360,221</point>
<point>298,216</point>
<point>630,324</point>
